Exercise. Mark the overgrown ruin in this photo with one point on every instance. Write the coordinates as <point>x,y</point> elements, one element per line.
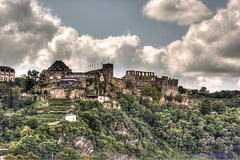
<point>65,83</point>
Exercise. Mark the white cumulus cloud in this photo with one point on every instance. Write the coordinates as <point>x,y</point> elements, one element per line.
<point>210,47</point>
<point>212,83</point>
<point>31,37</point>
<point>184,12</point>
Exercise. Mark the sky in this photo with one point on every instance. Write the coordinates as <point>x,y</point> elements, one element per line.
<point>196,41</point>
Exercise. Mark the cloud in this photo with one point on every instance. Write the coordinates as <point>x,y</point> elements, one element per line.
<point>79,52</point>
<point>24,29</point>
<point>184,12</point>
<point>238,83</point>
<point>212,83</point>
<point>210,47</point>
<point>31,37</point>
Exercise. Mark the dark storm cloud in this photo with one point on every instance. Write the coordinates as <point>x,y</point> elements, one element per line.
<point>24,30</point>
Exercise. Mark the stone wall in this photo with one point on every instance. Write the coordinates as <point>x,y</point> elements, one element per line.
<point>120,83</point>
<point>58,93</point>
<point>64,93</point>
<point>135,81</point>
<point>167,85</point>
<point>140,80</point>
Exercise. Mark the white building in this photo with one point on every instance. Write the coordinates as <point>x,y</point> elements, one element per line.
<point>102,99</point>
<point>70,117</point>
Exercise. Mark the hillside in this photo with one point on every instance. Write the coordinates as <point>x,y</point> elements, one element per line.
<point>140,130</point>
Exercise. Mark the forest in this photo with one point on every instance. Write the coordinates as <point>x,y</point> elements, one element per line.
<point>142,129</point>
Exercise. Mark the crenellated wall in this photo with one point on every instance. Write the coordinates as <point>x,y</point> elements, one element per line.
<point>140,80</point>
<point>135,81</point>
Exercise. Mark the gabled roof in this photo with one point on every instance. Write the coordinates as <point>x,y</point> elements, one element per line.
<point>59,66</point>
<point>70,114</point>
<point>4,147</point>
<point>7,68</point>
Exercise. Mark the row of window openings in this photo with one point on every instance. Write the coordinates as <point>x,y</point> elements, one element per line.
<point>79,76</point>
<point>171,84</point>
<point>57,69</point>
<point>6,79</point>
<point>142,84</point>
<point>144,78</point>
<point>2,70</point>
<point>141,74</point>
<point>5,75</point>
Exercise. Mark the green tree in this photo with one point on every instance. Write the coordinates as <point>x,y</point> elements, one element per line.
<point>203,90</point>
<point>127,100</point>
<point>10,97</point>
<point>30,79</point>
<point>32,156</point>
<point>100,156</point>
<point>10,157</point>
<point>152,92</point>
<point>48,150</point>
<point>27,131</point>
<point>32,122</point>
<point>68,154</point>
<point>206,107</point>
<point>16,120</point>
<point>25,145</point>
<point>219,107</point>
<point>182,90</point>
<point>85,156</point>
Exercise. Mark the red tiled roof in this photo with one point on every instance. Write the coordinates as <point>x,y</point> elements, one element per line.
<point>4,147</point>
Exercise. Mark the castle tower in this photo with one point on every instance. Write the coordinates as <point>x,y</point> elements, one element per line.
<point>108,72</point>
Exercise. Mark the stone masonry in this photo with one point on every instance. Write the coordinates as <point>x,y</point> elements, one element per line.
<point>140,80</point>
<point>59,73</point>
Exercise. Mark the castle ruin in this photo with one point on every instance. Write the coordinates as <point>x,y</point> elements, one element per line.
<point>140,80</point>
<point>61,77</point>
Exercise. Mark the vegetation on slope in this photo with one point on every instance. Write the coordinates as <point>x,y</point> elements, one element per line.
<point>143,130</point>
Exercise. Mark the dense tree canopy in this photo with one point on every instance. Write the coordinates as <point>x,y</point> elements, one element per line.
<point>152,92</point>
<point>145,130</point>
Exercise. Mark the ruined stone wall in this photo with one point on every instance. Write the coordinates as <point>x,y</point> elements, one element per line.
<point>167,85</point>
<point>64,93</point>
<point>58,93</point>
<point>140,79</point>
<point>75,93</point>
<point>119,83</point>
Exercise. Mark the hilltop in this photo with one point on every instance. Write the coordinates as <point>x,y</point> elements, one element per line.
<point>141,129</point>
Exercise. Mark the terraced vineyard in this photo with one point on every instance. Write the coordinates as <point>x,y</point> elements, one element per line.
<point>46,118</point>
<point>52,110</point>
<point>60,102</point>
